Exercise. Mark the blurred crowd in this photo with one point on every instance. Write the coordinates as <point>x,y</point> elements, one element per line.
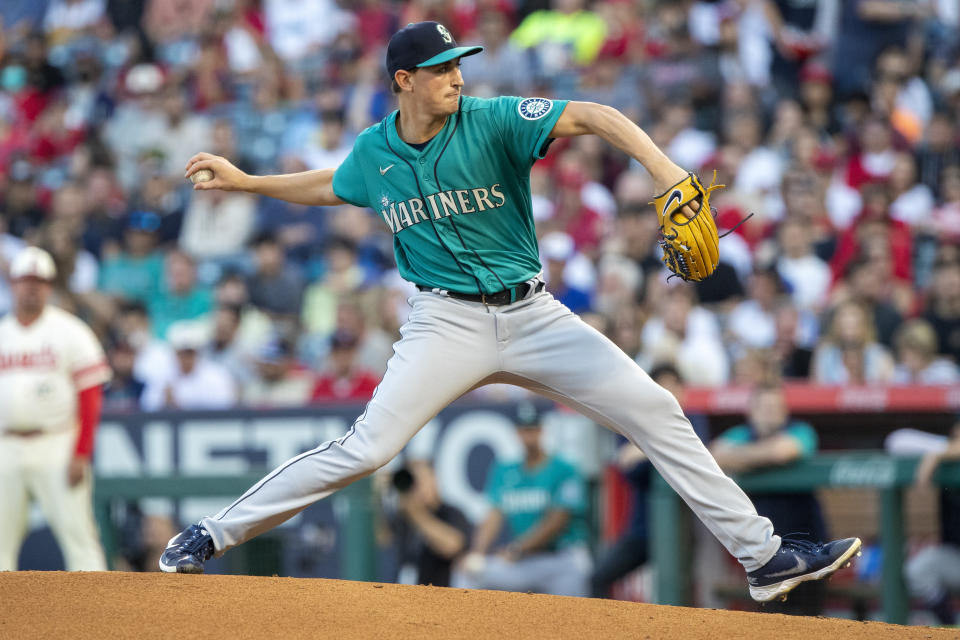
<point>835,123</point>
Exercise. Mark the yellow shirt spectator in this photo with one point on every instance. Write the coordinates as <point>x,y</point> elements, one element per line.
<point>583,32</point>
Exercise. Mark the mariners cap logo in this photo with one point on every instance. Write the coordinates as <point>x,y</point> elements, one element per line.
<point>534,108</point>
<point>445,34</point>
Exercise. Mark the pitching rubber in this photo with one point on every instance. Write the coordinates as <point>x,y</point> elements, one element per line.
<point>781,589</point>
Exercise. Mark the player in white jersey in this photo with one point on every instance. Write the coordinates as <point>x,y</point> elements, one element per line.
<point>52,371</point>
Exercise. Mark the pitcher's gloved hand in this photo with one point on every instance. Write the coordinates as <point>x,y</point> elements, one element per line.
<point>691,247</point>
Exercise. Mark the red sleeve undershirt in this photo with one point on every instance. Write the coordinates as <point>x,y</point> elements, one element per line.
<point>90,402</point>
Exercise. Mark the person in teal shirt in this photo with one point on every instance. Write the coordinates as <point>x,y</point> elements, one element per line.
<point>542,501</point>
<point>136,273</point>
<point>181,296</point>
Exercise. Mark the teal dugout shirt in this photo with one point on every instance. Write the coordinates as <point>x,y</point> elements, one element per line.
<point>804,434</point>
<point>459,209</point>
<point>524,496</point>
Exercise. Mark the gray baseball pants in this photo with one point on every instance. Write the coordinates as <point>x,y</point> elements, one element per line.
<point>561,573</point>
<point>450,346</point>
<point>933,572</point>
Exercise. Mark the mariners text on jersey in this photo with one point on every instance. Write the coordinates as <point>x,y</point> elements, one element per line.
<point>401,215</point>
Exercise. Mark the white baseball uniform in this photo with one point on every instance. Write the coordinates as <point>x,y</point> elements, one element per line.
<point>43,368</point>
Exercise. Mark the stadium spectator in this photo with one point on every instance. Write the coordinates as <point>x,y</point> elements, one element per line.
<point>181,131</point>
<point>849,354</point>
<point>136,272</point>
<point>565,34</point>
<point>806,276</point>
<point>342,378</point>
<point>227,345</point>
<point>618,281</point>
<point>195,382</point>
<point>751,324</point>
<point>770,438</point>
<point>945,220</point>
<point>875,234</point>
<point>20,201</point>
<point>166,23</point>
<point>933,573</point>
<point>792,349</point>
<point>636,226</point>
<point>278,381</point>
<point>943,307</point>
<point>123,392</point>
<point>938,150</point>
<point>181,297</point>
<point>886,300</point>
<point>68,20</point>
<point>342,275</point>
<point>800,32</point>
<point>131,326</point>
<point>557,249</point>
<point>504,69</point>
<point>275,287</point>
<point>10,245</point>
<point>683,334</point>
<point>216,227</point>
<point>77,268</point>
<point>679,67</point>
<point>865,28</point>
<point>816,97</point>
<point>301,30</point>
<point>900,94</point>
<point>913,201</point>
<point>917,361</point>
<point>329,145</point>
<point>542,501</point>
<point>299,228</point>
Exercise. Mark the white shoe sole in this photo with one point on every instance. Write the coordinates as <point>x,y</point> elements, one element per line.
<point>780,589</point>
<point>166,568</point>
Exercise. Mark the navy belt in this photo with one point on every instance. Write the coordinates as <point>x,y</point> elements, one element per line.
<point>506,296</point>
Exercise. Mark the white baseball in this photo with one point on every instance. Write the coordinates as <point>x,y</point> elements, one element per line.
<point>474,563</point>
<point>203,175</point>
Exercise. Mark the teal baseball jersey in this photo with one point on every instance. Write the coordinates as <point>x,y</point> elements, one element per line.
<point>459,209</point>
<point>524,496</point>
<point>802,432</point>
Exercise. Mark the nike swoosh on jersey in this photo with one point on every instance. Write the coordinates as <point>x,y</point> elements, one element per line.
<point>383,171</point>
<point>799,568</point>
<point>676,195</point>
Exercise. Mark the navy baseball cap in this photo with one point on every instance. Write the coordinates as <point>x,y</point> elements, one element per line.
<point>423,44</point>
<point>526,415</point>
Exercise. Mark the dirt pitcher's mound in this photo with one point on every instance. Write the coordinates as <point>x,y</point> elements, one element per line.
<point>137,605</point>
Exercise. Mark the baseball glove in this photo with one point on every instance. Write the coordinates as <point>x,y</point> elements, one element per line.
<point>691,247</point>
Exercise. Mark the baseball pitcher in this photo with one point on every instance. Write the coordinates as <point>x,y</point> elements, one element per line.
<point>449,174</point>
<point>52,370</point>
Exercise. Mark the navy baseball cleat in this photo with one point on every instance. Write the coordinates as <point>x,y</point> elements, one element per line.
<point>187,551</point>
<point>797,561</point>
